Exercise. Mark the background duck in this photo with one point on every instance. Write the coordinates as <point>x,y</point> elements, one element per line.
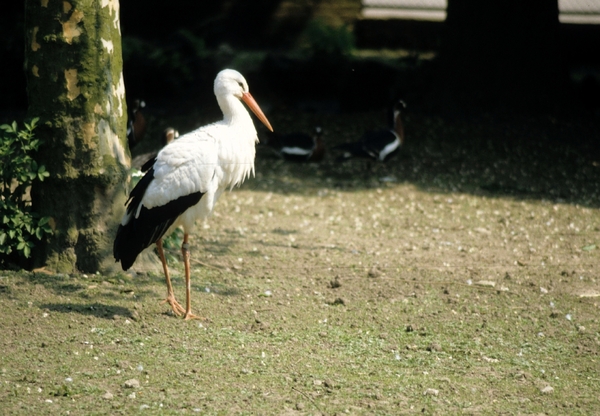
<point>298,147</point>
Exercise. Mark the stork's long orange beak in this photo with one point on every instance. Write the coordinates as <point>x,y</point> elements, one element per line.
<point>253,105</point>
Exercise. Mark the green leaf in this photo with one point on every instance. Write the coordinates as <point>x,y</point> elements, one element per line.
<point>32,124</point>
<point>17,171</point>
<point>589,247</point>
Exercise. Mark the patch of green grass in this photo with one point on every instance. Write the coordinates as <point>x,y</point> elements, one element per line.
<point>448,298</point>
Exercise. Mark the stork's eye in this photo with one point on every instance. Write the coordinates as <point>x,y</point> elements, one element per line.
<point>241,85</point>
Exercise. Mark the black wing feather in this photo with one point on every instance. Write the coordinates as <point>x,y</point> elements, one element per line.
<point>150,225</point>
<point>375,142</point>
<point>369,146</point>
<point>149,163</point>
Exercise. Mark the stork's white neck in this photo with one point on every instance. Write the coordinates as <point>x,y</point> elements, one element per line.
<point>236,145</point>
<point>234,112</point>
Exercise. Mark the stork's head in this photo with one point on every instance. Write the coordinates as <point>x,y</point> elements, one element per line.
<point>231,82</point>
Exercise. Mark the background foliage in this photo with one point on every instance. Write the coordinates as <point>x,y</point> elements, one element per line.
<point>19,226</point>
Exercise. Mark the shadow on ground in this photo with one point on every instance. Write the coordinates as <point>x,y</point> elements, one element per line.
<point>526,158</point>
<point>96,309</point>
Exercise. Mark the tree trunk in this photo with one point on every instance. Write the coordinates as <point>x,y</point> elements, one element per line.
<point>503,49</point>
<point>75,85</point>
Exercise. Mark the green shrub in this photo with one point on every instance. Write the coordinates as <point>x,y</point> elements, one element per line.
<point>19,226</point>
<point>173,61</point>
<point>326,40</point>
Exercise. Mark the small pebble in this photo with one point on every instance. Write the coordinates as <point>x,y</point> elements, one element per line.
<point>338,301</point>
<point>431,392</point>
<point>434,347</point>
<point>131,384</point>
<point>108,396</point>
<point>374,272</point>
<point>547,390</point>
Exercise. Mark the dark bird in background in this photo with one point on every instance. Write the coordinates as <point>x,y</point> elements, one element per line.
<point>378,145</point>
<point>136,123</point>
<point>184,181</point>
<point>167,136</point>
<point>298,147</point>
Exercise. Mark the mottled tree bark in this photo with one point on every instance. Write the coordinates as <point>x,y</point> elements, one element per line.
<point>75,85</point>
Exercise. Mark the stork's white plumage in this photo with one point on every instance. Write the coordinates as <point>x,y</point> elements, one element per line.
<point>187,177</point>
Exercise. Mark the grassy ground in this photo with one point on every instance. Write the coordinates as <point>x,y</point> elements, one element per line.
<point>461,277</point>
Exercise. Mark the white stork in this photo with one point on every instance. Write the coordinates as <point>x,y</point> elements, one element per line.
<point>184,181</point>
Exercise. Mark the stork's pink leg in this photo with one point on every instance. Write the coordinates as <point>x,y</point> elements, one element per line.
<point>177,308</point>
<point>185,251</point>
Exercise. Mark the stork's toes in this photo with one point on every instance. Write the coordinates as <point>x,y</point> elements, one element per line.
<point>189,316</point>
<point>177,308</point>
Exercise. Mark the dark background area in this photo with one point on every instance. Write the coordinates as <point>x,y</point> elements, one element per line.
<point>317,63</point>
<point>172,53</point>
<point>301,69</point>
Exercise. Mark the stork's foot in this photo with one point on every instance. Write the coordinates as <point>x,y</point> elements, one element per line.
<point>189,316</point>
<point>177,308</point>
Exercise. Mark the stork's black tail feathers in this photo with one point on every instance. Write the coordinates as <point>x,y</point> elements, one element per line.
<point>150,225</point>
